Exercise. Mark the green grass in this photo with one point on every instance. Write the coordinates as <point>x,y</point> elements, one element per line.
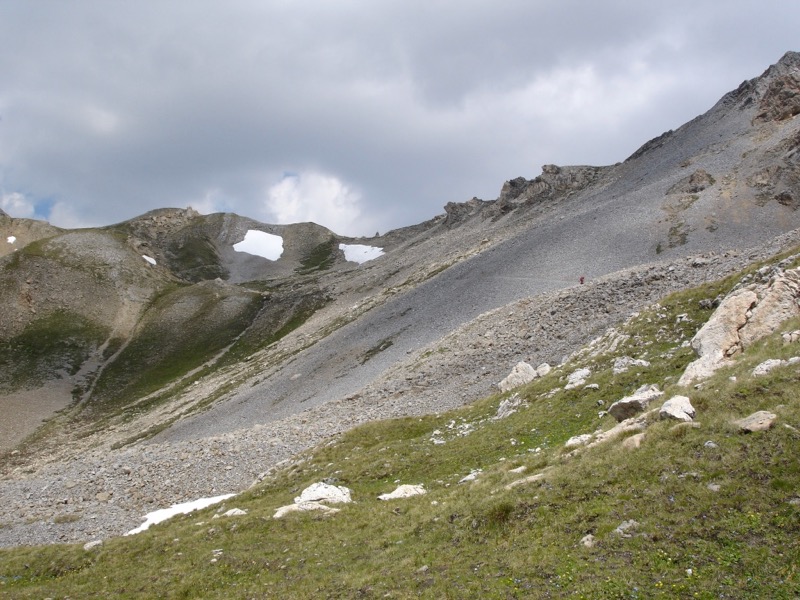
<point>320,258</point>
<point>185,327</point>
<point>482,539</point>
<point>50,346</point>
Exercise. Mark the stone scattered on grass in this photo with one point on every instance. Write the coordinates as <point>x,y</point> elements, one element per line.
<point>632,442</point>
<point>526,480</point>
<point>632,405</point>
<point>791,337</point>
<point>578,440</point>
<point>471,477</point>
<point>623,363</point>
<point>508,407</point>
<point>758,421</point>
<point>312,498</point>
<point>588,541</point>
<point>324,492</point>
<point>625,527</point>
<point>678,408</point>
<point>767,366</point>
<point>577,378</point>
<point>93,544</point>
<point>304,507</point>
<point>404,491</point>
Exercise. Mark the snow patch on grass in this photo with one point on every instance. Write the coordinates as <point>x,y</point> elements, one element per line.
<point>260,243</point>
<point>176,509</point>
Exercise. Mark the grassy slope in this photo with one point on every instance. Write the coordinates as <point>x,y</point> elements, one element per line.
<point>482,540</point>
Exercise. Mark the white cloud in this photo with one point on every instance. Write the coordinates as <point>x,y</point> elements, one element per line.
<point>17,205</point>
<point>319,198</point>
<point>63,214</point>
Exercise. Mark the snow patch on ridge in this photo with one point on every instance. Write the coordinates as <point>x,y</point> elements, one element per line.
<point>11,239</point>
<point>176,509</point>
<point>359,253</point>
<point>149,259</point>
<point>260,243</point>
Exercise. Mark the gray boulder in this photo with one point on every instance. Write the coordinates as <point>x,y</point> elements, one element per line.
<point>632,405</point>
<point>758,421</point>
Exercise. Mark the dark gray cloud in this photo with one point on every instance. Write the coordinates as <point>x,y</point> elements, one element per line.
<point>358,115</point>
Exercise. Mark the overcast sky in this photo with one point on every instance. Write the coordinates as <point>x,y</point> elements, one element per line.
<point>358,115</point>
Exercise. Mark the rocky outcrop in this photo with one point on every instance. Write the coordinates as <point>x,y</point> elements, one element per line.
<point>742,318</point>
<point>458,212</point>
<point>693,184</point>
<point>781,98</point>
<point>777,302</point>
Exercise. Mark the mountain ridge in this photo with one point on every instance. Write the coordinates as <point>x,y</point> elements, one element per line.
<point>208,343</point>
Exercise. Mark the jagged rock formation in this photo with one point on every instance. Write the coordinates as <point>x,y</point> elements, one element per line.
<point>742,318</point>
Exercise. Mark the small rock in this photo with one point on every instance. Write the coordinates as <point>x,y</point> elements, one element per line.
<point>626,526</point>
<point>525,480</point>
<point>577,378</point>
<point>623,363</point>
<point>234,512</point>
<point>633,442</point>
<point>767,366</point>
<point>92,544</point>
<point>404,491</point>
<point>543,369</point>
<point>103,496</point>
<point>588,541</point>
<point>304,507</point>
<point>710,444</point>
<point>471,477</point>
<point>758,421</point>
<point>578,440</point>
<point>508,407</point>
<point>714,487</point>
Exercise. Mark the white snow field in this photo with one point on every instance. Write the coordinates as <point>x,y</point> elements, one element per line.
<point>359,253</point>
<point>261,243</point>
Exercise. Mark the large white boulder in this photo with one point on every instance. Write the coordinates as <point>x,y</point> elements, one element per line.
<point>324,492</point>
<point>521,374</point>
<point>404,491</point>
<point>679,408</point>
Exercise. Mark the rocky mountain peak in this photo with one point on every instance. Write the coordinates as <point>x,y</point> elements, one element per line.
<point>779,89</point>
